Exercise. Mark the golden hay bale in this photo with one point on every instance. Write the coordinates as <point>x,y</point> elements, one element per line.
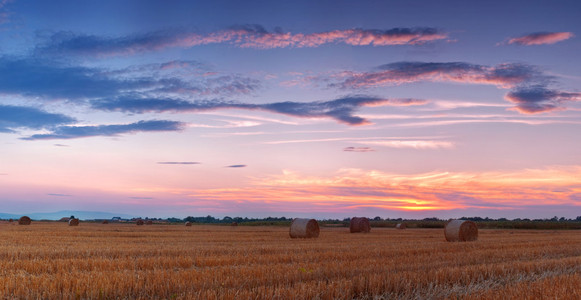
<point>105,222</point>
<point>139,222</point>
<point>304,228</point>
<point>188,223</point>
<point>149,222</point>
<point>359,225</point>
<point>400,226</point>
<point>461,231</point>
<point>234,224</point>
<point>74,222</point>
<point>24,220</point>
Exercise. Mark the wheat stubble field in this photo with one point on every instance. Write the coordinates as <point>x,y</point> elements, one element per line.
<point>124,261</point>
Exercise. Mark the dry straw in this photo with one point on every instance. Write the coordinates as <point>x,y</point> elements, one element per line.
<point>400,226</point>
<point>461,231</point>
<point>24,220</point>
<point>234,224</point>
<point>359,225</point>
<point>105,222</point>
<point>149,222</point>
<point>139,222</point>
<point>188,223</point>
<point>304,228</point>
<point>74,222</point>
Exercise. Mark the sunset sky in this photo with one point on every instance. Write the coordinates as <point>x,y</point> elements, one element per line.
<point>324,109</point>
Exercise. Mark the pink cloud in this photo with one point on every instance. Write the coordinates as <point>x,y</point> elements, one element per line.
<point>247,36</point>
<point>541,38</point>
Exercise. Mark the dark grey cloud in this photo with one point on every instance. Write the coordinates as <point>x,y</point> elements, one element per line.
<point>236,166</point>
<point>539,98</point>
<point>341,110</point>
<point>41,78</point>
<point>178,163</point>
<point>73,132</point>
<point>504,75</point>
<point>14,117</point>
<point>358,149</point>
<point>32,77</point>
<point>61,145</point>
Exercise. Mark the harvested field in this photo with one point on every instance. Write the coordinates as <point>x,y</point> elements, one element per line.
<point>50,261</point>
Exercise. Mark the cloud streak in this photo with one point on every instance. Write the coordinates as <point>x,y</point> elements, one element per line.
<point>541,38</point>
<point>243,36</point>
<point>73,132</point>
<point>503,75</point>
<point>178,163</point>
<point>341,110</point>
<point>15,117</point>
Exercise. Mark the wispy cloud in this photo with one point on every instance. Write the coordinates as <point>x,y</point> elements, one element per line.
<point>541,38</point>
<point>236,166</point>
<point>535,99</point>
<point>73,132</point>
<point>358,149</point>
<point>341,110</point>
<point>14,117</point>
<point>178,163</point>
<point>59,195</point>
<point>411,144</point>
<point>503,75</point>
<point>244,36</point>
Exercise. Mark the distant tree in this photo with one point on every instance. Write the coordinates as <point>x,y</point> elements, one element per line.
<point>72,217</point>
<point>578,219</point>
<point>378,218</point>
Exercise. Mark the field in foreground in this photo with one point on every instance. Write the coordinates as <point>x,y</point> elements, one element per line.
<point>53,260</point>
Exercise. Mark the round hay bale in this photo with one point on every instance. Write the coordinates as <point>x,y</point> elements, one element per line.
<point>461,231</point>
<point>105,222</point>
<point>10,220</point>
<point>149,222</point>
<point>234,224</point>
<point>359,225</point>
<point>304,228</point>
<point>74,222</point>
<point>24,220</point>
<point>139,222</point>
<point>400,226</point>
<point>188,223</point>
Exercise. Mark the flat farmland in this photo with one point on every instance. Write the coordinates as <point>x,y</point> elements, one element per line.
<point>125,261</point>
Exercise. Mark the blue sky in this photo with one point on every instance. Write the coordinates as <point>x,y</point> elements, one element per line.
<point>323,109</point>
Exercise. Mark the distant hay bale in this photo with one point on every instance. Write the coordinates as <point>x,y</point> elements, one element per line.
<point>139,222</point>
<point>105,222</point>
<point>74,222</point>
<point>234,224</point>
<point>24,220</point>
<point>188,223</point>
<point>461,231</point>
<point>359,225</point>
<point>304,228</point>
<point>149,222</point>
<point>400,226</point>
<point>10,220</point>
